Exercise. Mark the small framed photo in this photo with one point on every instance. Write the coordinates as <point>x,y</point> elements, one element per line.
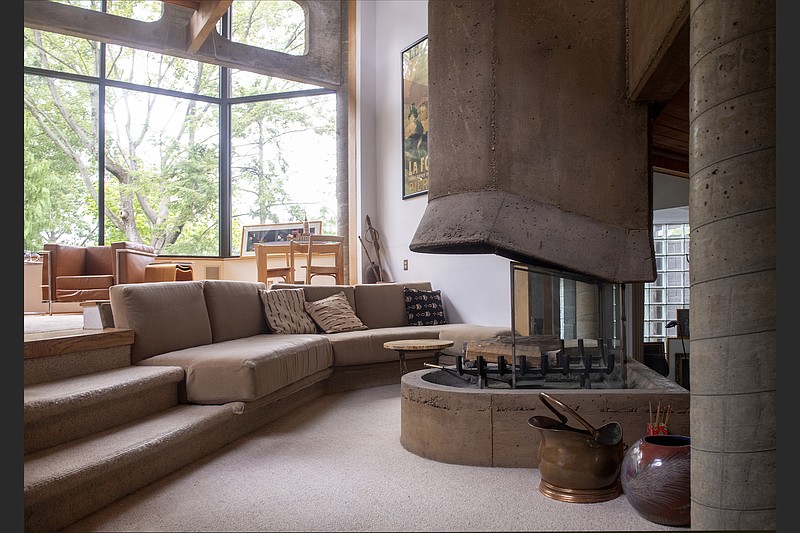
<point>415,119</point>
<point>267,233</point>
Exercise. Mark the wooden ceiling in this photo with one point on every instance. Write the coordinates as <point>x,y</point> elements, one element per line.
<point>670,148</point>
<point>206,15</point>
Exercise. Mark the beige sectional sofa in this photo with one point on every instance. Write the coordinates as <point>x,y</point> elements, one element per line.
<point>217,332</point>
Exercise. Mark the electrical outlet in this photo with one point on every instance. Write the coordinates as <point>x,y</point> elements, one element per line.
<point>405,264</point>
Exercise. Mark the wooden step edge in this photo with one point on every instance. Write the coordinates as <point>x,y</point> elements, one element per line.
<point>48,344</point>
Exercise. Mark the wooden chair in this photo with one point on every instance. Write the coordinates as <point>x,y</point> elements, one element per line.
<point>278,251</point>
<point>321,249</point>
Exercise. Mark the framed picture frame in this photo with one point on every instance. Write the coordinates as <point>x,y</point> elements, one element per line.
<point>415,118</point>
<point>267,233</point>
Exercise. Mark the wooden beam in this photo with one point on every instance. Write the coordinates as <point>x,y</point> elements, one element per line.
<point>203,21</point>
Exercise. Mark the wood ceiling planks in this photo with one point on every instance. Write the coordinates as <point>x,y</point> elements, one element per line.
<point>670,144</point>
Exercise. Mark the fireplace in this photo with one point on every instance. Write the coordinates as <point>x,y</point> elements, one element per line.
<point>568,333</point>
<point>568,342</point>
<point>537,155</point>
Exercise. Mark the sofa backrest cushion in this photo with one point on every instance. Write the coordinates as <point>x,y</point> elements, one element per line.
<point>99,260</point>
<point>313,293</point>
<point>234,309</point>
<point>164,316</point>
<point>382,305</point>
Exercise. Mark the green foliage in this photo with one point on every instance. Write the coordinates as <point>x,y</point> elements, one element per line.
<point>161,152</point>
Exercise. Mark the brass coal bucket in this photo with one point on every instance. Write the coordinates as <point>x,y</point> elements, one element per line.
<point>578,465</point>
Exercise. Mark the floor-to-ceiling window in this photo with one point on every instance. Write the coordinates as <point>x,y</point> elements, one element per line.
<point>126,144</point>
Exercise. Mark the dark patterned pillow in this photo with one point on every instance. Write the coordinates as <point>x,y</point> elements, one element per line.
<point>424,308</point>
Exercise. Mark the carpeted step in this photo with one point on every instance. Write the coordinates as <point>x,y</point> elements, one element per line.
<point>68,482</point>
<point>58,411</point>
<point>60,355</point>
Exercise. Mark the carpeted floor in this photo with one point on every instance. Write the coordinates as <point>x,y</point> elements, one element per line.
<point>55,322</point>
<point>337,465</point>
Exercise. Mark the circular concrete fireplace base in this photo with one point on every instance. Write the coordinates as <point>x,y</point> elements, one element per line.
<point>489,427</point>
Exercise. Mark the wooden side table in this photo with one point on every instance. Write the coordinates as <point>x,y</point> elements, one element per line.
<point>168,272</point>
<point>432,346</point>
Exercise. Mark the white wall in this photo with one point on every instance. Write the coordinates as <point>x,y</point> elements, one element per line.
<point>670,199</point>
<point>670,192</point>
<point>476,288</point>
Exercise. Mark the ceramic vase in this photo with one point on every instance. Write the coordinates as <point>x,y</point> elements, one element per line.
<point>655,477</point>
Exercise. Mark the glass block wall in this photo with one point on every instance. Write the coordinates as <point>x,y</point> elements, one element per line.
<point>670,291</point>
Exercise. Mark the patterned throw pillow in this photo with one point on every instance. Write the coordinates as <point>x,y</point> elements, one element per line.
<point>285,311</point>
<point>424,308</point>
<point>334,314</point>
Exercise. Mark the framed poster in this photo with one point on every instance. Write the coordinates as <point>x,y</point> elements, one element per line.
<point>415,119</point>
<point>266,233</point>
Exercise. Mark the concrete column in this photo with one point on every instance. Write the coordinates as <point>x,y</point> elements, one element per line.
<point>733,269</point>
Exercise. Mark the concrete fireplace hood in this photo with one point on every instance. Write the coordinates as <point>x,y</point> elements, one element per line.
<point>535,151</point>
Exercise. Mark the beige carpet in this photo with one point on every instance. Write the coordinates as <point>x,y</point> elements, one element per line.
<point>56,322</point>
<point>337,465</point>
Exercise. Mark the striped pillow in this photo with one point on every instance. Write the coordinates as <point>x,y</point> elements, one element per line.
<point>283,309</point>
<point>334,314</point>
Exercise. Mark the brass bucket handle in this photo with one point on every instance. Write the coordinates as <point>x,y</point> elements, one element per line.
<point>546,399</point>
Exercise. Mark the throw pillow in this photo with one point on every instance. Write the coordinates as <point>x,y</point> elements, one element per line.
<point>285,311</point>
<point>334,314</point>
<point>424,308</point>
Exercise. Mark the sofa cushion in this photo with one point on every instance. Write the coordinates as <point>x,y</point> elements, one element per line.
<point>235,309</point>
<point>164,316</point>
<point>381,305</point>
<point>249,368</point>
<point>79,283</point>
<point>366,346</point>
<point>424,308</point>
<point>334,314</point>
<point>285,311</point>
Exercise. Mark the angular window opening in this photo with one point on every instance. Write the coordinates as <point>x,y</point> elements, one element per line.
<point>142,10</point>
<point>278,25</point>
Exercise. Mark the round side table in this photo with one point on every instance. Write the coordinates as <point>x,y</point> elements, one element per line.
<point>432,346</point>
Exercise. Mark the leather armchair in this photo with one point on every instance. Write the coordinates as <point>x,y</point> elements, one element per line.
<point>81,273</point>
<point>130,261</point>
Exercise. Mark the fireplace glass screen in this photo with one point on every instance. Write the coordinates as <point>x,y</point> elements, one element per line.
<point>568,330</point>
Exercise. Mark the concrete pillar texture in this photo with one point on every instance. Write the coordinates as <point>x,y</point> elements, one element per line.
<point>732,214</point>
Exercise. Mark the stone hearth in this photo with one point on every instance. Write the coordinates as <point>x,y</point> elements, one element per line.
<point>489,427</point>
